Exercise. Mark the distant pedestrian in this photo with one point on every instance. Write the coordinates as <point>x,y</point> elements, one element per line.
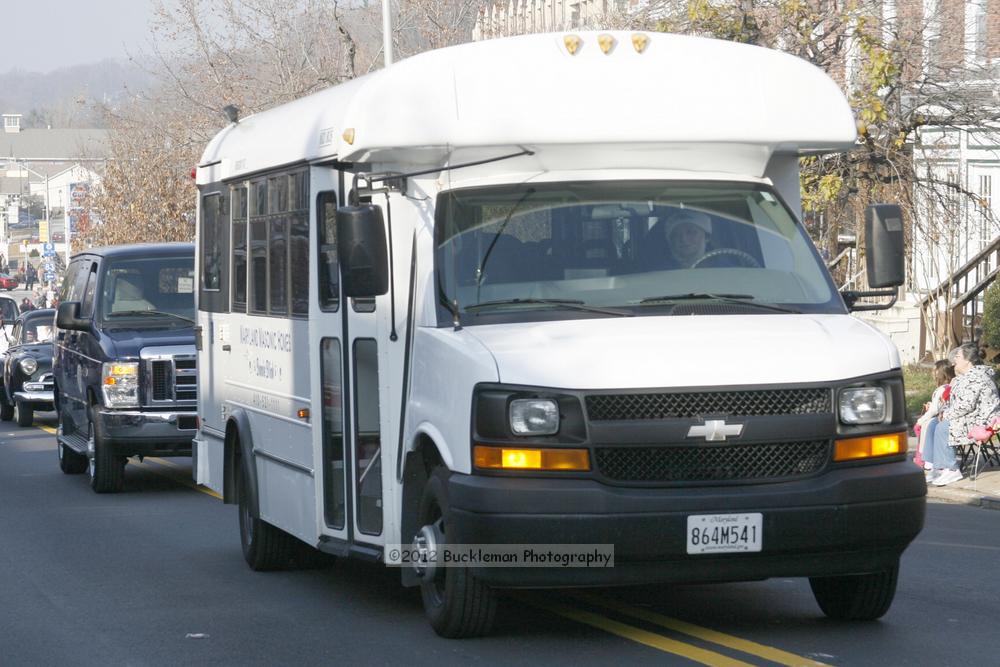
<point>974,403</point>
<point>944,373</point>
<point>30,275</point>
<point>26,305</point>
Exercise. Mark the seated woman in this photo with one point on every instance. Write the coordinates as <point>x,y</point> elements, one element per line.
<point>974,402</point>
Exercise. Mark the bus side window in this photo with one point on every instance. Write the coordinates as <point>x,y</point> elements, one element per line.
<point>329,270</point>
<point>239,263</point>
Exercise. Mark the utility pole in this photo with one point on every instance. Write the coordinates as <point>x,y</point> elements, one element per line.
<point>387,32</point>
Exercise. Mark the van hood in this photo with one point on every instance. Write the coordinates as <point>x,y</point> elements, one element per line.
<point>128,342</point>
<point>686,351</point>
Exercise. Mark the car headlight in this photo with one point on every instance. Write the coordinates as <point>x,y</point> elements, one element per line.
<point>534,416</point>
<point>862,405</point>
<point>28,366</point>
<point>120,383</point>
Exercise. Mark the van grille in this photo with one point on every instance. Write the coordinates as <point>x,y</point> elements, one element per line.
<point>713,463</point>
<point>602,407</point>
<point>173,380</point>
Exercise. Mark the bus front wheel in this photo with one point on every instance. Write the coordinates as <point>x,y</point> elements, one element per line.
<point>456,603</point>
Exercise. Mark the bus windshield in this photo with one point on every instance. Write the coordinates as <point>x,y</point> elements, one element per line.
<point>149,292</point>
<point>601,248</point>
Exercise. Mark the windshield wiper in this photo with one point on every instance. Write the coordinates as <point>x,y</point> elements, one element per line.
<point>149,312</point>
<point>573,304</point>
<point>496,237</point>
<point>744,299</point>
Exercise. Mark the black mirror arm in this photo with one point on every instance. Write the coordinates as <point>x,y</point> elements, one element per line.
<point>851,297</point>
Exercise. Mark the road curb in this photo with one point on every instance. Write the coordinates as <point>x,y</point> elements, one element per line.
<point>963,497</point>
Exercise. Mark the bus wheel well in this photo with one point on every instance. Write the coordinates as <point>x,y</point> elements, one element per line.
<point>419,463</point>
<point>232,456</point>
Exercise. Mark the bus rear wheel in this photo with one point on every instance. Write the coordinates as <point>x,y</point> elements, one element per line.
<point>265,547</point>
<point>856,597</point>
<point>456,603</point>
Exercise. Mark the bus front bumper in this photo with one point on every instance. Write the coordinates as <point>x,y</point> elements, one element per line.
<point>849,520</point>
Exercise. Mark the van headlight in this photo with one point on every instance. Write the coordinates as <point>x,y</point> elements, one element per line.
<point>534,416</point>
<point>862,405</point>
<point>28,366</point>
<point>120,383</point>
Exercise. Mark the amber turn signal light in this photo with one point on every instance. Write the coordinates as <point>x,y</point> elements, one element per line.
<point>504,458</point>
<point>868,447</point>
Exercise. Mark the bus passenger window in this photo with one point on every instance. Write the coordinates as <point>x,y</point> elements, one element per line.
<point>211,246</point>
<point>239,262</point>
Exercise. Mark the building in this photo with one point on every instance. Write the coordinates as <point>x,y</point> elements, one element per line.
<point>503,18</point>
<point>45,166</point>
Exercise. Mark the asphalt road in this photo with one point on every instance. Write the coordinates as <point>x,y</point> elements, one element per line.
<point>154,576</point>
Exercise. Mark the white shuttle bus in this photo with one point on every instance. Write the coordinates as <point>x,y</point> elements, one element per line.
<point>552,289</point>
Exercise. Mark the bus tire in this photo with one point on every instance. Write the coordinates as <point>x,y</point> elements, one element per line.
<point>856,597</point>
<point>265,547</point>
<point>107,469</point>
<point>456,603</point>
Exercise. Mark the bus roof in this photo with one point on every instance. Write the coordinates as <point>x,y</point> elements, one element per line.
<point>678,102</point>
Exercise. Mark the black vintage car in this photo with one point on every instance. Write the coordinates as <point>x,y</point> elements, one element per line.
<point>27,367</point>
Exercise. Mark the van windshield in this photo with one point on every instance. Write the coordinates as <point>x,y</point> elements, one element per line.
<point>599,249</point>
<point>149,292</point>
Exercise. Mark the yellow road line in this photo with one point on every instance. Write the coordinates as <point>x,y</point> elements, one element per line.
<point>651,639</point>
<point>180,479</point>
<point>720,638</point>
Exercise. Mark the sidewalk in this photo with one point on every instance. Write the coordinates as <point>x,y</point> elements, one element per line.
<point>984,491</point>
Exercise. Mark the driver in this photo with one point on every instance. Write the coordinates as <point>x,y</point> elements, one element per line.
<point>688,233</point>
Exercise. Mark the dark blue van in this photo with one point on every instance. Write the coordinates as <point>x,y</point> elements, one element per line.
<point>124,359</point>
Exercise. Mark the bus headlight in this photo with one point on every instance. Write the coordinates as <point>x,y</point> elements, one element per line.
<point>862,405</point>
<point>28,366</point>
<point>534,416</point>
<point>120,383</point>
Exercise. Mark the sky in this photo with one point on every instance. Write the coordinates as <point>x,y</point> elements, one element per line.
<point>43,35</point>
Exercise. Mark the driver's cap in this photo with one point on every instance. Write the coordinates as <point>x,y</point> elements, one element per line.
<point>689,217</point>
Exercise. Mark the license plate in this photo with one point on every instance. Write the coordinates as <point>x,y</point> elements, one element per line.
<point>724,533</point>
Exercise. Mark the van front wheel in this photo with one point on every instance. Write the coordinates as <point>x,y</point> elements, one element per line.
<point>456,603</point>
<point>856,597</point>
<point>107,470</point>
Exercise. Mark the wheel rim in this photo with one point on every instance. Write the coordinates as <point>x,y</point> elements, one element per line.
<point>91,451</point>
<point>246,522</point>
<point>435,587</point>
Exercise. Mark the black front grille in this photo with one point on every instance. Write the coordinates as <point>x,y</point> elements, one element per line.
<point>174,379</point>
<point>161,380</point>
<point>601,407</point>
<point>713,463</point>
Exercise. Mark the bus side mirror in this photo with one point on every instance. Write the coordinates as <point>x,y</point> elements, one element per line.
<point>361,250</point>
<point>884,259</point>
<point>68,317</point>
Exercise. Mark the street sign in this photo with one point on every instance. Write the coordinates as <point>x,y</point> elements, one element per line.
<point>48,250</point>
<point>49,277</point>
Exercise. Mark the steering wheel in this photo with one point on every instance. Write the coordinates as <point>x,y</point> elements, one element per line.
<point>745,259</point>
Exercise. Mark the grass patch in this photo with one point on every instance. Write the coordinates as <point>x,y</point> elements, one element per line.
<point>919,384</point>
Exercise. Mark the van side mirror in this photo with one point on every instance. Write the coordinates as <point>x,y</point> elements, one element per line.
<point>68,317</point>
<point>361,250</point>
<point>884,258</point>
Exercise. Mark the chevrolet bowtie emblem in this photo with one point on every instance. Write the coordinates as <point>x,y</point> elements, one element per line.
<point>715,430</point>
